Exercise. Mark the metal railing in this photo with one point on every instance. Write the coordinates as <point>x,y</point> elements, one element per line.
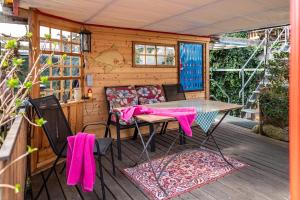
<point>222,90</point>
<point>267,53</point>
<point>214,97</point>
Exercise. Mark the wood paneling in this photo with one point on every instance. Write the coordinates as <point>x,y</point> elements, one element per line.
<point>14,146</point>
<point>120,40</point>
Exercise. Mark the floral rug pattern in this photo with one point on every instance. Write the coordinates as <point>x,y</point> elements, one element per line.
<point>189,170</point>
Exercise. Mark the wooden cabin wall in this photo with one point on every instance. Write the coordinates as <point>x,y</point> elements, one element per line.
<point>118,42</point>
<point>73,111</point>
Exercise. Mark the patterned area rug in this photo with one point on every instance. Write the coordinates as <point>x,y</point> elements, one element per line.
<point>189,170</point>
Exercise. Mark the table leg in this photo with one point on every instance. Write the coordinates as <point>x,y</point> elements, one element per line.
<point>145,145</point>
<point>210,135</point>
<point>182,138</point>
<point>152,134</point>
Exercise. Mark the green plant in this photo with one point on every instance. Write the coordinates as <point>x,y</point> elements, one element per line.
<point>230,81</point>
<point>274,108</point>
<point>274,98</point>
<point>15,86</point>
<point>279,72</point>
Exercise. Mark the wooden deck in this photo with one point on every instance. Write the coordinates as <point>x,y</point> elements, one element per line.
<point>266,178</point>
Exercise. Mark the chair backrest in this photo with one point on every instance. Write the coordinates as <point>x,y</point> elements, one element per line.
<point>57,127</point>
<point>148,94</point>
<point>174,92</point>
<point>121,96</point>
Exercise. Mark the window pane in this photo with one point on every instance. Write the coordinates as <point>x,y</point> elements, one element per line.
<point>45,45</point>
<point>66,95</point>
<point>75,71</point>
<point>44,58</point>
<point>75,60</point>
<point>161,60</point>
<point>46,72</point>
<point>44,30</point>
<point>75,83</point>
<point>76,38</point>
<point>66,36</point>
<point>55,46</point>
<point>65,42</point>
<point>67,84</point>
<point>170,51</point>
<point>66,47</point>
<point>56,85</point>
<point>66,71</point>
<point>67,61</point>
<point>55,33</point>
<point>150,60</point>
<point>75,48</point>
<point>170,60</point>
<point>139,59</point>
<point>55,71</point>
<point>56,60</point>
<point>140,49</point>
<point>160,50</point>
<point>150,50</point>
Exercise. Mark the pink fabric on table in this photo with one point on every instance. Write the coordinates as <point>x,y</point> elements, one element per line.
<point>81,167</point>
<point>185,116</point>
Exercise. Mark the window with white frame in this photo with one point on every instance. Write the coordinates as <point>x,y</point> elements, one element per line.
<point>153,55</point>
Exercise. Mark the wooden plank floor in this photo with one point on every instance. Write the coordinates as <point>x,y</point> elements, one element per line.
<point>266,178</point>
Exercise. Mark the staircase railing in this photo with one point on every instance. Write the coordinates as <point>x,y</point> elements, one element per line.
<point>267,53</point>
<point>222,90</point>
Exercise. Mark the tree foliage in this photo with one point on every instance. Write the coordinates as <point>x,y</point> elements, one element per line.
<point>274,97</point>
<point>230,81</point>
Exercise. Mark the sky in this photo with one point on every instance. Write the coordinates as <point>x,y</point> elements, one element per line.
<point>15,30</point>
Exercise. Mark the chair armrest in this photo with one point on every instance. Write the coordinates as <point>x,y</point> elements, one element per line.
<point>94,123</point>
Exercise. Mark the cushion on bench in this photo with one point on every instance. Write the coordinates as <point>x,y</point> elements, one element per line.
<point>148,94</point>
<point>121,96</point>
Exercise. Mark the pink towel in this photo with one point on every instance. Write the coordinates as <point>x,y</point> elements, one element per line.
<point>81,168</point>
<point>185,116</point>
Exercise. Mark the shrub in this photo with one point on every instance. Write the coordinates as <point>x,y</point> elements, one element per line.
<point>274,97</point>
<point>274,108</point>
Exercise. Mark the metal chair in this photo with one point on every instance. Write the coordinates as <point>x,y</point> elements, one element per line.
<point>173,92</point>
<point>57,130</point>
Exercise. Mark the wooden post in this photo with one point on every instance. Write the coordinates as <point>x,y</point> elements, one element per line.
<point>294,101</point>
<point>35,92</point>
<point>34,46</point>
